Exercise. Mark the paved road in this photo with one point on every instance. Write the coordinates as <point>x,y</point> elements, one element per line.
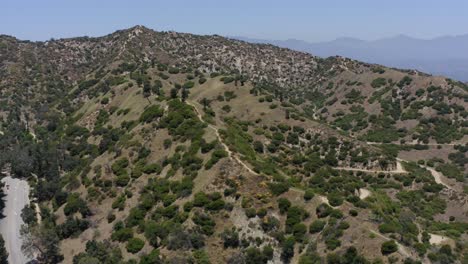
<point>17,196</point>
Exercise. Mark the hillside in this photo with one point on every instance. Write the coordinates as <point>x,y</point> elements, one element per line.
<point>165,147</point>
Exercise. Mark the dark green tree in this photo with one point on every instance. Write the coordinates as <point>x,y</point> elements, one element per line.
<point>3,252</point>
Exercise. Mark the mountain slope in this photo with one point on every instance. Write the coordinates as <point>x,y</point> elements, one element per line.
<point>155,147</point>
<point>439,56</point>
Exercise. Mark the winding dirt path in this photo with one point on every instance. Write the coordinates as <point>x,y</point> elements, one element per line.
<point>437,176</point>
<point>399,169</point>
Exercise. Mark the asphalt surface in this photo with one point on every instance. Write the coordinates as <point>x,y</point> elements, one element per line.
<point>17,196</point>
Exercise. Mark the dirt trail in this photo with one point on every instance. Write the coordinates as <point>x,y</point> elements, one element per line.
<point>399,169</point>
<point>438,239</point>
<point>437,176</point>
<point>226,148</point>
<point>414,143</point>
<point>322,198</point>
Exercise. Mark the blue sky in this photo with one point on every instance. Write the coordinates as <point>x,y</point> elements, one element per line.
<point>311,20</point>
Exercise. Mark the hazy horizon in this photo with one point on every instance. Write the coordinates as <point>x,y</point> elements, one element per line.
<point>275,20</point>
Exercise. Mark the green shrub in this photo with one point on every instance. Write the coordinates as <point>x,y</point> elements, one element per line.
<point>174,70</point>
<point>388,228</point>
<point>255,255</point>
<point>215,157</point>
<point>404,81</point>
<point>451,171</point>
<point>294,216</point>
<point>332,243</point>
<point>151,113</point>
<point>283,205</point>
<point>378,82</point>
<point>230,238</point>
<point>188,84</point>
<point>167,143</point>
<point>134,245</point>
<point>226,108</point>
<point>288,249</point>
<point>76,204</point>
<point>105,100</point>
<point>278,188</point>
<point>152,168</point>
<point>122,234</point>
<point>122,180</point>
<point>308,194</point>
<point>335,199</point>
<point>250,212</point>
<point>316,226</point>
<point>388,247</point>
<point>72,228</point>
<point>201,257</point>
<point>299,231</point>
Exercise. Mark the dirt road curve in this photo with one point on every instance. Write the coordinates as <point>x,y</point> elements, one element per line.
<point>17,196</point>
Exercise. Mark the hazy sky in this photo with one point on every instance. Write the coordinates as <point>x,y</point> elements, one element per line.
<point>311,20</point>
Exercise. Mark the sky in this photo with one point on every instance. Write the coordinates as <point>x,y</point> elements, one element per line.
<point>312,20</point>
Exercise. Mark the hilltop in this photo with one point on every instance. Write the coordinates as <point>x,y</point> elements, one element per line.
<point>166,147</point>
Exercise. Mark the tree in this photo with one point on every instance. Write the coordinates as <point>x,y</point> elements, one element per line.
<point>184,94</point>
<point>205,103</point>
<point>2,202</point>
<point>3,252</point>
<point>288,249</point>
<point>156,89</point>
<point>98,252</point>
<point>258,146</point>
<point>43,240</point>
<point>146,89</point>
<point>28,214</point>
<point>174,92</point>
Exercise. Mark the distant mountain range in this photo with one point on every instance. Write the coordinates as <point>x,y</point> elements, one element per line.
<point>447,55</point>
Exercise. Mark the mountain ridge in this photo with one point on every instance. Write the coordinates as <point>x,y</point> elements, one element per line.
<point>163,147</point>
<point>445,55</point>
